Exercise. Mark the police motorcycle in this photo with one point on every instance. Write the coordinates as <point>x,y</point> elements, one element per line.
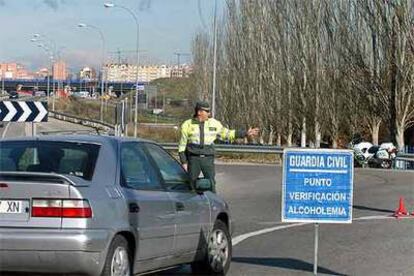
<point>361,154</point>
<point>368,155</point>
<point>384,155</point>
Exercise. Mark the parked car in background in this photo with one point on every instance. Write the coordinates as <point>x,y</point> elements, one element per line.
<point>40,93</point>
<point>13,95</point>
<point>101,205</point>
<point>81,94</point>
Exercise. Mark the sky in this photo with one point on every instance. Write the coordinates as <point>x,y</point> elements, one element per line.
<point>166,27</point>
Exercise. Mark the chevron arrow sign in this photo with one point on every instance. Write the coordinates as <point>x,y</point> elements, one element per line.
<point>19,111</point>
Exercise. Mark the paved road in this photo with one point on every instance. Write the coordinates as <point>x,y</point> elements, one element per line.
<point>53,126</point>
<point>374,244</point>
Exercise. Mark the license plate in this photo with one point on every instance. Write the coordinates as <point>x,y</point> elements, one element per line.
<point>12,207</point>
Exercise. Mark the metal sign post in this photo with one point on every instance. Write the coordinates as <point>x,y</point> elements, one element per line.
<point>33,129</point>
<point>315,251</point>
<point>123,118</point>
<point>317,187</point>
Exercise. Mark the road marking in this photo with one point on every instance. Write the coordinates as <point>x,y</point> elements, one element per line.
<point>240,238</point>
<point>5,130</point>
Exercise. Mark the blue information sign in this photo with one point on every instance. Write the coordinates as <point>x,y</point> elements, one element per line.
<point>317,185</point>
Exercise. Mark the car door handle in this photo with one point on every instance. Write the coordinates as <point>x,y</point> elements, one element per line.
<point>133,208</point>
<point>179,206</point>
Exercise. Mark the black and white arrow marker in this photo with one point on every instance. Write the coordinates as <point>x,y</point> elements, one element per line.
<point>19,111</point>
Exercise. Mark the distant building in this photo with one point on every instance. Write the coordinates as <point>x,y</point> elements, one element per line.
<point>60,71</point>
<point>116,72</point>
<point>14,71</point>
<point>42,73</point>
<point>87,74</point>
<point>182,71</point>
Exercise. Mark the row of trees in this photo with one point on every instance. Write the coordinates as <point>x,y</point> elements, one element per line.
<point>312,70</point>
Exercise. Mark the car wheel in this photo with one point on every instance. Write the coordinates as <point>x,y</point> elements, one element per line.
<point>118,259</point>
<point>219,251</point>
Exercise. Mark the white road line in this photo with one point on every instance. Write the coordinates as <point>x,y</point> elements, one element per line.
<point>243,237</point>
<point>240,238</point>
<point>5,130</point>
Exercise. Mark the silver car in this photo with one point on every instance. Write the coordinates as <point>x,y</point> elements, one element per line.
<point>101,205</point>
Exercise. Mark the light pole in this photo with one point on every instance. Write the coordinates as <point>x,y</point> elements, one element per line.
<point>132,13</point>
<point>44,38</point>
<point>213,105</point>
<point>51,54</point>
<point>40,45</point>
<point>83,25</point>
<point>2,82</point>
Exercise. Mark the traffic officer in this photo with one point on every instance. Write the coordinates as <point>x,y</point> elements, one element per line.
<point>196,147</point>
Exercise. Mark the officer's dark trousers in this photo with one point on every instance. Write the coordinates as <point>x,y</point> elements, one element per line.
<point>202,163</point>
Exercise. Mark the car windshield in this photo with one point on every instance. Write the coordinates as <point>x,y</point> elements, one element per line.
<point>76,159</point>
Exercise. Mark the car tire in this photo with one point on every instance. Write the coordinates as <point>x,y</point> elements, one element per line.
<point>118,260</point>
<point>217,258</point>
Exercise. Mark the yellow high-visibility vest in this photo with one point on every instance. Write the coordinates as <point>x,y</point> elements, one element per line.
<point>213,129</point>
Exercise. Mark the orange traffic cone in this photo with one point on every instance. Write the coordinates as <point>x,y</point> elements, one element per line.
<point>401,211</point>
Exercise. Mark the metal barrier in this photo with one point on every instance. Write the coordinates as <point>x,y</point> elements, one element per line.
<point>86,122</point>
<point>221,148</point>
<point>235,148</point>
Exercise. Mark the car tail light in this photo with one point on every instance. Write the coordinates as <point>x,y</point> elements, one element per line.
<point>63,208</point>
<point>76,209</point>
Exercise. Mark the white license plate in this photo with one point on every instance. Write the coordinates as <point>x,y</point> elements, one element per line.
<point>11,207</point>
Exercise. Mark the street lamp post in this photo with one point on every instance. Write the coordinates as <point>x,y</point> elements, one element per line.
<point>45,38</point>
<point>50,56</point>
<point>83,25</point>
<point>213,105</point>
<point>132,13</point>
<point>2,82</point>
<point>48,72</point>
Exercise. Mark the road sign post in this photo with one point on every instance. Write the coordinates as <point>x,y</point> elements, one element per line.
<point>317,187</point>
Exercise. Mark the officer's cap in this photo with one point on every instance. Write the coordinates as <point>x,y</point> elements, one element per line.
<point>202,105</point>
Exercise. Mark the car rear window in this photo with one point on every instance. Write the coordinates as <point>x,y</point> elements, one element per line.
<point>77,159</point>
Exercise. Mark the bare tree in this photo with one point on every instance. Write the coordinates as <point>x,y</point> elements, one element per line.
<point>321,67</point>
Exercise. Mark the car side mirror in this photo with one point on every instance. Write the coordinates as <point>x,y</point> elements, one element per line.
<point>203,185</point>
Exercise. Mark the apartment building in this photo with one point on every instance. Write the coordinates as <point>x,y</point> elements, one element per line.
<point>60,71</point>
<point>116,72</point>
<point>181,71</point>
<point>14,71</point>
<point>87,74</point>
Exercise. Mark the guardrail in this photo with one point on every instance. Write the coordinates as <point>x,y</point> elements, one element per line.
<point>405,157</point>
<point>86,122</point>
<point>222,148</point>
<point>235,148</point>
